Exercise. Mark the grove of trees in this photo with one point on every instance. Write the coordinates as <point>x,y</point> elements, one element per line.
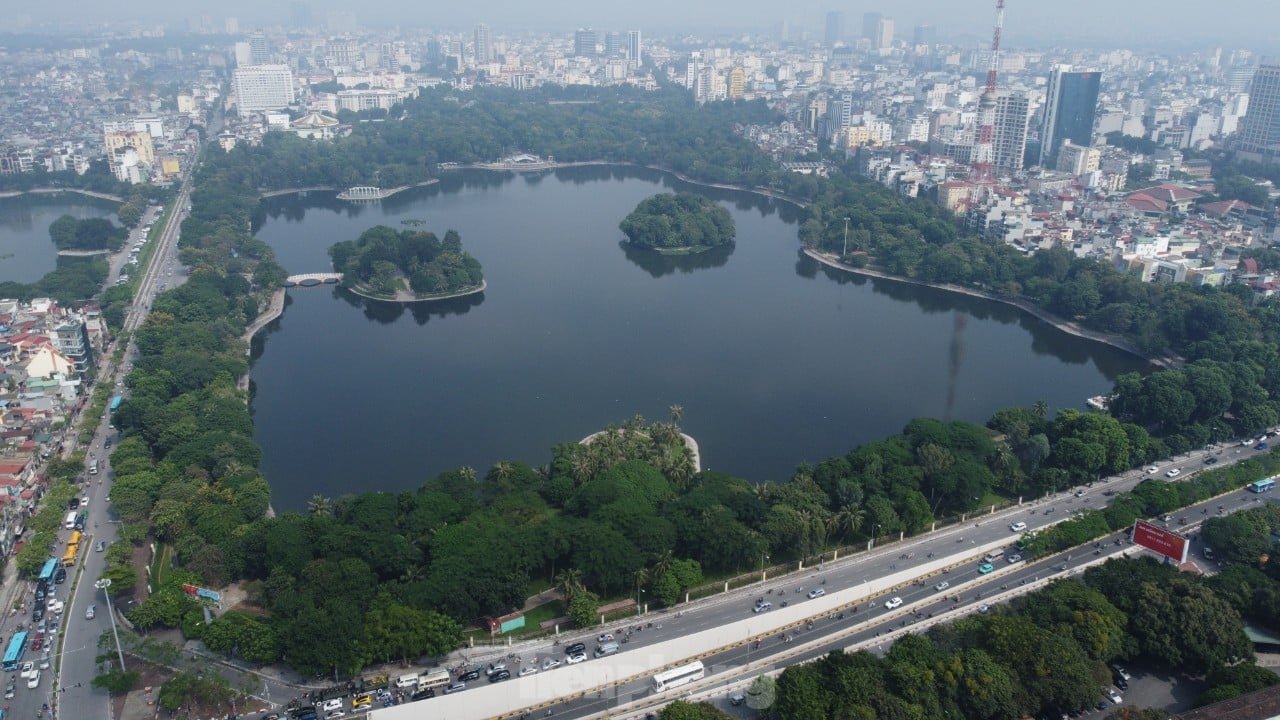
<point>678,221</point>
<point>381,259</point>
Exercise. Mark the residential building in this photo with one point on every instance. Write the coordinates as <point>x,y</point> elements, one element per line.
<point>262,87</point>
<point>140,141</point>
<point>1259,129</point>
<point>737,83</point>
<point>258,52</point>
<point>484,46</point>
<point>1078,160</point>
<point>1070,108</point>
<point>71,338</point>
<point>1009,132</point>
<point>633,49</point>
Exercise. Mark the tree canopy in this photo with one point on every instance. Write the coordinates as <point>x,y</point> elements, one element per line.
<point>381,259</point>
<point>669,221</point>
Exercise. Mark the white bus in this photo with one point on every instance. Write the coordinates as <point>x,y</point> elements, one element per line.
<point>677,676</point>
<point>70,522</point>
<point>434,679</point>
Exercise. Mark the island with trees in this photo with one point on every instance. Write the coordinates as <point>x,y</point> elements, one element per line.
<point>406,265</point>
<point>678,223</point>
<point>69,233</point>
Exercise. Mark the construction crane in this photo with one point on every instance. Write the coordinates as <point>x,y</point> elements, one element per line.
<point>980,170</point>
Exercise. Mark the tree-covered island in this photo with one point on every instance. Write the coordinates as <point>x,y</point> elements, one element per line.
<point>678,223</point>
<point>407,265</point>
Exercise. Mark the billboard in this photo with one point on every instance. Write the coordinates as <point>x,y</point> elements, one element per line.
<point>1160,541</point>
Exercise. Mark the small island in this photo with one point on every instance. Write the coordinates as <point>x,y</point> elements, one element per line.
<point>678,223</point>
<point>406,266</point>
<point>87,235</point>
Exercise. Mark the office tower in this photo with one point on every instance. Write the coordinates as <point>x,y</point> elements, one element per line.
<point>612,44</point>
<point>1009,131</point>
<point>484,46</point>
<point>737,83</point>
<point>871,27</point>
<point>584,42</point>
<point>262,87</point>
<point>884,34</point>
<point>1239,78</point>
<point>633,48</point>
<point>835,28</point>
<point>258,53</point>
<point>1259,137</point>
<point>1069,111</point>
<point>924,35</point>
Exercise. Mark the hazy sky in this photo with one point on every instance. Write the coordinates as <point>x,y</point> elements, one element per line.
<point>1182,23</point>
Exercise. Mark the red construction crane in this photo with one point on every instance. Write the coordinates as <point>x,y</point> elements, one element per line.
<point>984,149</point>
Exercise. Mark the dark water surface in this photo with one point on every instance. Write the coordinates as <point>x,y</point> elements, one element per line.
<point>26,251</point>
<point>775,359</point>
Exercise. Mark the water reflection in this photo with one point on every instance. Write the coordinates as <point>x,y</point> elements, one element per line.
<point>658,264</point>
<point>385,313</point>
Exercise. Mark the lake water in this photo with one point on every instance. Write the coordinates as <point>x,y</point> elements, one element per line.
<point>775,359</point>
<point>26,252</point>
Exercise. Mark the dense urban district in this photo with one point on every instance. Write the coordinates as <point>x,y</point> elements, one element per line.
<point>1128,198</point>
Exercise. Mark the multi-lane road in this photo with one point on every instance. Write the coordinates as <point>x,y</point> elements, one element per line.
<point>917,564</point>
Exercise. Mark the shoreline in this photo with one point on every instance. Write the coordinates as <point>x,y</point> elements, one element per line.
<point>686,438</point>
<point>461,293</point>
<point>329,188</point>
<point>1068,327</point>
<point>55,191</point>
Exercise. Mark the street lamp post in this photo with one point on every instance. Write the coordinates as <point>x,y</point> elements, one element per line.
<point>875,528</point>
<point>763,557</point>
<point>846,239</point>
<point>105,586</point>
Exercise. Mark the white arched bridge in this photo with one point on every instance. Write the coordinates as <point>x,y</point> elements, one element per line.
<point>312,279</point>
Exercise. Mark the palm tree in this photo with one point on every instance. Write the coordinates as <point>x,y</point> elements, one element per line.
<point>468,473</point>
<point>319,505</point>
<point>502,471</point>
<point>677,412</point>
<point>1040,409</point>
<point>848,519</point>
<point>569,582</point>
<point>662,565</point>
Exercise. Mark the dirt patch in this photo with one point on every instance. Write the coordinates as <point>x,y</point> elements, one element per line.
<point>143,703</point>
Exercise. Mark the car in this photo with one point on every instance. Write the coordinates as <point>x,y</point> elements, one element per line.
<point>528,670</point>
<point>737,698</point>
<point>893,602</point>
<point>1015,558</point>
<point>604,638</point>
<point>1173,472</point>
<point>37,644</point>
<point>1081,492</point>
<point>550,663</point>
<point>576,658</point>
<point>456,687</point>
<point>1120,682</point>
<point>331,704</point>
<point>575,648</point>
<point>495,668</point>
<point>984,608</point>
<point>27,668</point>
<point>360,701</point>
<point>1102,704</point>
<point>73,504</point>
<point>1119,671</point>
<point>106,445</point>
<point>44,662</point>
<point>985,568</point>
<point>500,675</point>
<point>334,714</point>
<point>1260,446</point>
<point>761,606</point>
<point>56,607</point>
<point>816,593</point>
<point>34,681</point>
<point>100,546</point>
<point>60,576</point>
<point>1211,460</point>
<point>1114,696</point>
<point>272,716</point>
<point>1018,527</point>
<point>942,586</point>
<point>469,676</point>
<point>1246,442</point>
<point>9,691</point>
<point>37,613</point>
<point>1152,469</point>
<point>423,694</point>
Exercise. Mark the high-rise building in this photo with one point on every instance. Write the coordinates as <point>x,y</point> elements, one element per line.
<point>258,52</point>
<point>633,48</point>
<point>484,46</point>
<point>877,30</point>
<point>737,83</point>
<point>884,34</point>
<point>613,44</point>
<point>924,35</point>
<point>1259,136</point>
<point>300,14</point>
<point>1069,111</point>
<point>262,87</point>
<point>1239,78</point>
<point>835,28</point>
<point>584,42</point>
<point>232,26</point>
<point>1009,131</point>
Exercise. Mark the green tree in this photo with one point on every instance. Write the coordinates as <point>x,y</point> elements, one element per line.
<point>584,609</point>
<point>762,693</point>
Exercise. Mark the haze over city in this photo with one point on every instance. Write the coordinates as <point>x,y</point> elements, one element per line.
<point>1179,24</point>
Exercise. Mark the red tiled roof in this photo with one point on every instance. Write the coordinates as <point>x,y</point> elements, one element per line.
<point>1145,203</point>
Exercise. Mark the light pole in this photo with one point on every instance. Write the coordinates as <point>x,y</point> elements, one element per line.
<point>763,557</point>
<point>872,542</point>
<point>105,586</point>
<point>846,239</point>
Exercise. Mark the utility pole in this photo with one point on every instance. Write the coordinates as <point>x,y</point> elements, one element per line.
<point>846,239</point>
<point>105,586</point>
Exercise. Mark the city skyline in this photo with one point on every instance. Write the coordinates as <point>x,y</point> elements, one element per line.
<point>1086,22</point>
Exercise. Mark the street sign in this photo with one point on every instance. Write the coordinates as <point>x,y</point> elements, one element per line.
<point>1160,541</point>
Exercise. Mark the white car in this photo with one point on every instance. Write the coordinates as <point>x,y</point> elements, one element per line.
<point>893,602</point>
<point>1152,469</point>
<point>34,681</point>
<point>576,658</point>
<point>1173,473</point>
<point>984,608</point>
<point>761,606</point>
<point>527,670</point>
<point>942,586</point>
<point>550,663</point>
<point>27,669</point>
<point>55,607</point>
<point>333,704</point>
<point>1114,696</point>
<point>1018,527</point>
<point>816,593</point>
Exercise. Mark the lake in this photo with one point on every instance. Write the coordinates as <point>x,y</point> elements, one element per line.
<point>26,252</point>
<point>775,359</point>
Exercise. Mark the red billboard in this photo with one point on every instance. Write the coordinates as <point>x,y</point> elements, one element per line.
<point>1160,541</point>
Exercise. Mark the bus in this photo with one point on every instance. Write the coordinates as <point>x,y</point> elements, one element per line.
<point>434,679</point>
<point>677,676</point>
<point>74,539</point>
<point>115,403</point>
<point>46,572</point>
<point>17,647</point>
<point>1262,486</point>
<point>69,557</point>
<point>70,522</point>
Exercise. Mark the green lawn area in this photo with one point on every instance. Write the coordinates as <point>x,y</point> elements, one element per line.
<point>532,621</point>
<point>160,564</point>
